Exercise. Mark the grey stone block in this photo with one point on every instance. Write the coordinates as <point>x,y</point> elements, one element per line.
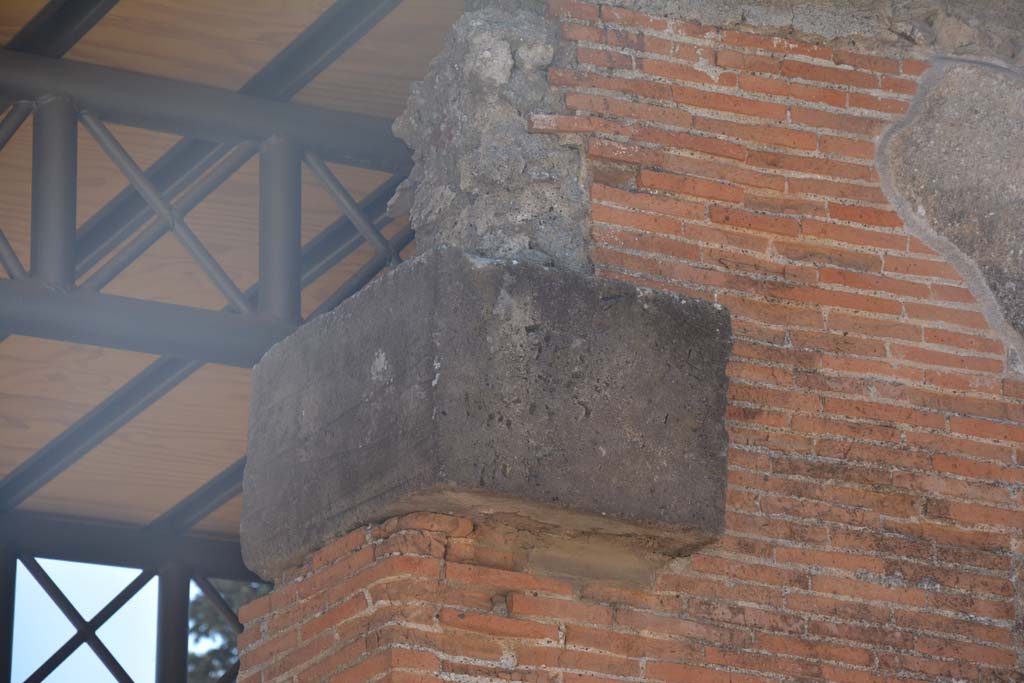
<point>457,384</point>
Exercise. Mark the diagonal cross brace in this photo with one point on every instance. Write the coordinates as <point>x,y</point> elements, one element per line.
<point>137,177</point>
<point>76,619</point>
<point>90,628</point>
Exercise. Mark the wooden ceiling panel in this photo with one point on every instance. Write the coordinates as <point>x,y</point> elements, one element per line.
<point>223,522</point>
<point>374,76</point>
<point>161,456</point>
<point>46,385</point>
<point>14,14</point>
<point>215,42</point>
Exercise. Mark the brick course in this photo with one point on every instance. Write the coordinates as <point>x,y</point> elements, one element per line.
<point>875,525</point>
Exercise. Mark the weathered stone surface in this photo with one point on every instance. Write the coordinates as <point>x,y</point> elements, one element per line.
<point>460,384</point>
<point>957,168</point>
<point>989,29</point>
<point>480,180</point>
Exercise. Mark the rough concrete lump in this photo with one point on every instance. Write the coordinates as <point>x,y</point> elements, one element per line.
<point>480,180</point>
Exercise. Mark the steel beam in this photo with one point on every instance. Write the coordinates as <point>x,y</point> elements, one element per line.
<point>12,121</point>
<point>120,545</point>
<point>280,285</point>
<point>58,26</point>
<point>172,624</point>
<point>10,261</point>
<point>8,575</point>
<point>319,45</point>
<point>201,111</point>
<point>323,251</point>
<point>54,191</point>
<point>118,322</point>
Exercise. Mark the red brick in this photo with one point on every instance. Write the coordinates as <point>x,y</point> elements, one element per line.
<point>673,71</point>
<point>826,188</point>
<point>726,237</point>
<point>503,627</point>
<point>775,44</point>
<point>987,429</point>
<point>464,573</point>
<point>915,67</point>
<point>875,327</point>
<point>524,604</point>
<point>740,175</point>
<point>777,225</point>
<point>865,590</point>
<point>690,186</point>
<point>783,88</point>
<point>847,147</point>
<point>826,74</point>
<point>867,62</point>
<point>572,9</point>
<point>825,558</point>
<point>671,672</point>
<point>729,103</point>
<point>625,17</point>
<point>851,235</point>
<point>883,104</point>
<point>672,116</point>
<point>817,118</point>
<point>668,206</point>
<point>935,335</point>
<point>876,283</point>
<point>837,343</point>
<point>731,59</point>
<point>787,205</point>
<point>641,221</point>
<point>760,134</point>
<point>865,215</point>
<point>645,241</point>
<point>955,316</point>
<point>810,165</point>
<point>695,143</point>
<point>756,573</point>
<point>772,313</point>
<point>906,265</point>
<point>952,360</point>
<point>553,657</point>
<point>900,86</point>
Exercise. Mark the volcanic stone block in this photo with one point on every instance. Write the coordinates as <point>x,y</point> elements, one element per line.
<point>571,404</point>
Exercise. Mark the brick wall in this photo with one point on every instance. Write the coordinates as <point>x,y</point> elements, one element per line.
<point>874,525</point>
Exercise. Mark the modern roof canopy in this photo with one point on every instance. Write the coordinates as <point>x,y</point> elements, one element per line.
<point>182,185</point>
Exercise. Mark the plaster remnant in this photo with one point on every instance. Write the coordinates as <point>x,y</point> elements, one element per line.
<point>993,29</point>
<point>955,165</point>
<point>481,181</point>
